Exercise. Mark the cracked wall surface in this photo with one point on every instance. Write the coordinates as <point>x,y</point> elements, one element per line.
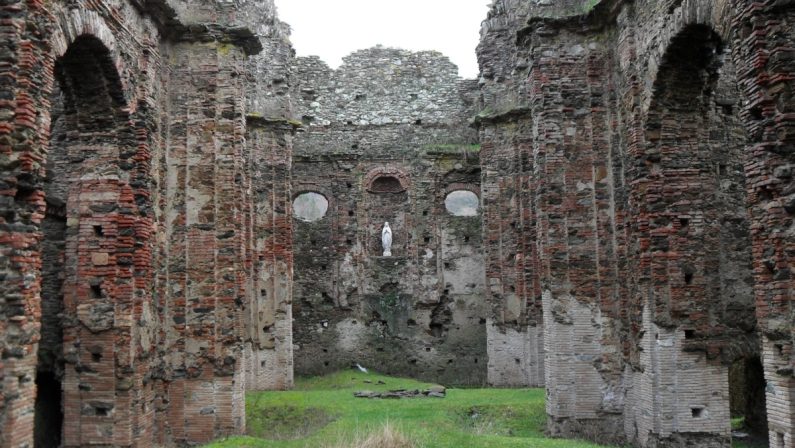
<point>647,141</point>
<point>124,244</point>
<point>385,138</point>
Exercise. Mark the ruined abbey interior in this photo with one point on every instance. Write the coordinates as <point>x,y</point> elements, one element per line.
<point>188,211</point>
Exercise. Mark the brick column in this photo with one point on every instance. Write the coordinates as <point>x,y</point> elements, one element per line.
<point>269,335</point>
<point>205,202</point>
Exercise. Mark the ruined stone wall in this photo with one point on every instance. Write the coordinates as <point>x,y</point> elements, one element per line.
<point>395,119</point>
<point>269,136</point>
<point>643,129</point>
<point>124,243</point>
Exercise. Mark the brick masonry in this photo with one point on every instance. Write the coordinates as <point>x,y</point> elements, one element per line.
<point>385,138</point>
<point>127,217</point>
<point>634,239</point>
<point>655,137</point>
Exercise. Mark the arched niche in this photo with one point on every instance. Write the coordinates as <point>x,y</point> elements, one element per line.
<point>387,199</point>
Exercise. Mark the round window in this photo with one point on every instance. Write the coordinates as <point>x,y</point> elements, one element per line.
<point>310,207</point>
<point>462,203</point>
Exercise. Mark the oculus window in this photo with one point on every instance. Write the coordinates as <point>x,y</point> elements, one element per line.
<point>310,207</point>
<point>462,203</point>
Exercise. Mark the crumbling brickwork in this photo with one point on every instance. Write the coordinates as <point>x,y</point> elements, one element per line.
<point>627,242</point>
<point>124,235</point>
<point>385,138</point>
<point>654,136</point>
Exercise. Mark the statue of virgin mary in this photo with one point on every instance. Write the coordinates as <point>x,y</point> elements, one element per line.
<point>386,240</point>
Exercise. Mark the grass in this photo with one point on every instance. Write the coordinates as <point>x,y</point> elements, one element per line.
<point>322,412</point>
<point>453,148</point>
<point>590,5</point>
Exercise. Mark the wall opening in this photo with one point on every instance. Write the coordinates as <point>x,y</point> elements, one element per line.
<point>87,121</point>
<point>462,203</point>
<point>747,400</point>
<point>310,206</point>
<point>698,243</point>
<point>49,410</point>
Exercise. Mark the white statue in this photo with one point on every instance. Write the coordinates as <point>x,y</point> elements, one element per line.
<point>386,240</point>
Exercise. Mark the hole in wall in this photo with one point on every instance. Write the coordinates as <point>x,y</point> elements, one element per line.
<point>96,291</point>
<point>688,278</point>
<point>49,412</point>
<point>310,206</point>
<point>747,396</point>
<point>98,231</point>
<point>462,203</point>
<point>690,334</point>
<point>697,412</point>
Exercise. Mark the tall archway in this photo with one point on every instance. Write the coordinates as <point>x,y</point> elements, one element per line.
<point>91,237</point>
<point>696,300</point>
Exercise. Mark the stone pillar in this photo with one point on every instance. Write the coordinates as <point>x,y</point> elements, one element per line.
<point>269,336</point>
<point>204,209</point>
<point>515,338</point>
<point>763,52</point>
<point>575,215</point>
<point>26,74</point>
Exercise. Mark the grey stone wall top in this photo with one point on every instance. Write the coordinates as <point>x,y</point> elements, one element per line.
<point>381,86</point>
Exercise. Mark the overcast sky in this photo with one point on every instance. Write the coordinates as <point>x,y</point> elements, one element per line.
<point>332,29</point>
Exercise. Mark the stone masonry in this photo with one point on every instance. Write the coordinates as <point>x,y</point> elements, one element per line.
<point>642,150</point>
<point>386,116</point>
<point>126,234</point>
<point>627,244</point>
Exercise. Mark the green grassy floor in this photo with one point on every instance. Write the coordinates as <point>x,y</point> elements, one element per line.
<point>323,412</point>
